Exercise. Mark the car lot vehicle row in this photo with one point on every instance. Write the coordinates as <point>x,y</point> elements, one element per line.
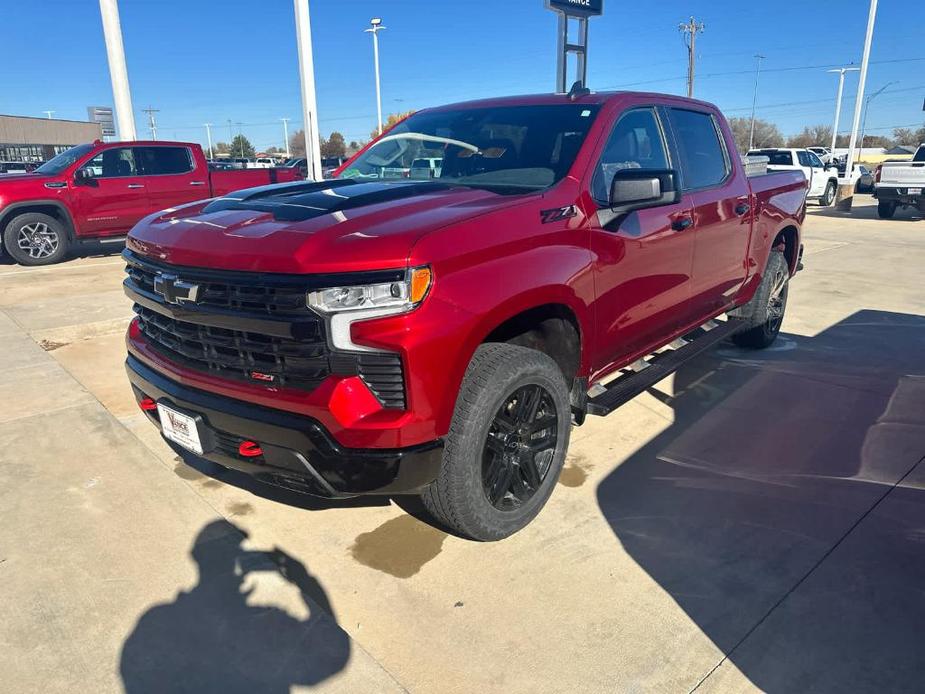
<point>899,184</point>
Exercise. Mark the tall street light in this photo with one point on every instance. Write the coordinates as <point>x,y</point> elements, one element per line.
<point>867,108</point>
<point>375,28</point>
<point>286,135</point>
<point>841,85</point>
<point>303,32</point>
<point>208,127</point>
<point>751,133</point>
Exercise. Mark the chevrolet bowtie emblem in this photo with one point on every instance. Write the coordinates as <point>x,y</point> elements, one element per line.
<point>174,290</point>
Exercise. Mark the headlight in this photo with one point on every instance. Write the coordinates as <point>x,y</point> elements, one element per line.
<point>344,305</point>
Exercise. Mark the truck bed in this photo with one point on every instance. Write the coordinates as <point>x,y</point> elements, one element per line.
<point>224,182</point>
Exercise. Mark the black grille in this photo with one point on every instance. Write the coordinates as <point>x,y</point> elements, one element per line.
<point>383,374</point>
<point>252,357</point>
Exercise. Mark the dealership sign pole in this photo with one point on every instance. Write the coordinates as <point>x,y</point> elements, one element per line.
<point>303,28</point>
<point>580,10</point>
<point>118,73</point>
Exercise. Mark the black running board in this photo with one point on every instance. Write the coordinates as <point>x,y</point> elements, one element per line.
<point>659,365</point>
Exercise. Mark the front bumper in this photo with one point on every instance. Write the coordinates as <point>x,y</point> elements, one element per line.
<point>298,453</point>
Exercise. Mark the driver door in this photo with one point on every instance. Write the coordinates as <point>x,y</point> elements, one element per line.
<point>113,198</point>
<point>815,172</point>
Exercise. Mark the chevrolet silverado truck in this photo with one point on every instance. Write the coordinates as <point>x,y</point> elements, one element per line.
<point>98,191</point>
<point>380,335</point>
<point>900,184</point>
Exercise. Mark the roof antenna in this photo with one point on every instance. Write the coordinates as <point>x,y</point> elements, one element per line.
<point>577,90</point>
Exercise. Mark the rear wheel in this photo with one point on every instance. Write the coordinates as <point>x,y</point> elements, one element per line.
<point>768,306</point>
<point>506,443</point>
<point>886,209</point>
<point>829,196</point>
<point>35,239</point>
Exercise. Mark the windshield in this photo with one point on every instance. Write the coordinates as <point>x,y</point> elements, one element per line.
<point>511,149</point>
<point>59,163</point>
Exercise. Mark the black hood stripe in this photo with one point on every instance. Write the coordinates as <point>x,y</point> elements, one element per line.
<point>296,202</point>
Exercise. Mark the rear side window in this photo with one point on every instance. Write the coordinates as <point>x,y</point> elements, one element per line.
<point>703,157</point>
<point>159,161</point>
<point>635,143</point>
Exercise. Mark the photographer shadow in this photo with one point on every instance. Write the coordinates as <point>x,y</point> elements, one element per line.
<point>210,639</point>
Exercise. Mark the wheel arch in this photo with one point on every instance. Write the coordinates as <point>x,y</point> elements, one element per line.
<point>53,208</point>
<point>788,237</point>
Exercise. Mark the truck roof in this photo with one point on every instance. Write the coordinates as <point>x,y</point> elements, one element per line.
<point>552,99</point>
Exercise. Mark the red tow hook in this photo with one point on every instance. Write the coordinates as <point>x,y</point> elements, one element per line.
<point>249,449</point>
<point>147,404</point>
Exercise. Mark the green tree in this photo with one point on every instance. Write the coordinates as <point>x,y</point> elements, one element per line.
<point>354,146</point>
<point>334,146</point>
<point>241,147</point>
<point>766,134</point>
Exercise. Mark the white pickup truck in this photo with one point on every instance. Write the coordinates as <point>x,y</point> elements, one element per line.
<point>822,178</point>
<point>900,184</point>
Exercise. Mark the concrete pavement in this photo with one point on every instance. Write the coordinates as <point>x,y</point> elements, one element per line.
<point>754,522</point>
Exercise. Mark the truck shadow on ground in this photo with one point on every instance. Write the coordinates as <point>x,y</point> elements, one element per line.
<point>772,460</point>
<point>906,214</point>
<point>210,639</point>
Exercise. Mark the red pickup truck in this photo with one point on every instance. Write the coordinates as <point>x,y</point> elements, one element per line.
<point>98,191</point>
<point>380,334</point>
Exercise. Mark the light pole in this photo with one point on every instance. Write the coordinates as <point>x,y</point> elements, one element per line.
<point>49,114</point>
<point>841,85</point>
<point>751,133</point>
<point>846,189</point>
<point>286,135</point>
<point>867,108</point>
<point>118,73</point>
<point>209,138</point>
<point>241,139</point>
<point>375,28</point>
<point>303,29</point>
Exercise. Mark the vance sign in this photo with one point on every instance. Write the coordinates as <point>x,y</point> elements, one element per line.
<point>580,8</point>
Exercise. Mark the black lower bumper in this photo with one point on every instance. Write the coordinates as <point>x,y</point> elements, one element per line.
<point>297,452</point>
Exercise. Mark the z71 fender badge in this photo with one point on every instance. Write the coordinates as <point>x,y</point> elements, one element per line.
<point>558,214</point>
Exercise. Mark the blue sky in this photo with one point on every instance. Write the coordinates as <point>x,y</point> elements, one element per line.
<point>201,61</point>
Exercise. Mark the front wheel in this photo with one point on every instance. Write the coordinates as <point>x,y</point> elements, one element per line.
<point>829,196</point>
<point>767,307</point>
<point>35,239</point>
<point>886,209</point>
<point>506,444</point>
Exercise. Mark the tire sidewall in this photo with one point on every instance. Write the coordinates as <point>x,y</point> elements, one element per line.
<point>11,234</point>
<point>506,380</point>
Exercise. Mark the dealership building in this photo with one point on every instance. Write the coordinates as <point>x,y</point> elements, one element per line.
<point>25,139</point>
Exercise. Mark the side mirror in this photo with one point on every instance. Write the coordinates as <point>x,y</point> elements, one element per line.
<point>637,189</point>
<point>83,177</point>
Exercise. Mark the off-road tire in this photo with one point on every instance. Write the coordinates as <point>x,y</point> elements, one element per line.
<point>53,228</point>
<point>886,209</point>
<point>457,498</point>
<point>762,329</point>
<point>828,197</point>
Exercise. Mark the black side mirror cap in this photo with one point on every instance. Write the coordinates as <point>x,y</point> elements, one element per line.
<point>83,177</point>
<point>637,189</point>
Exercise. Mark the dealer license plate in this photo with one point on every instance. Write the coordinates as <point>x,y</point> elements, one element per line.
<point>180,428</point>
<point>914,191</point>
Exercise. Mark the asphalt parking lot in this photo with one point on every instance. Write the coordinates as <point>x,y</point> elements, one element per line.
<point>756,522</point>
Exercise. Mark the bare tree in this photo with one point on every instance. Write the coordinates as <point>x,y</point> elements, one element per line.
<point>766,133</point>
<point>908,136</point>
<point>297,143</point>
<point>814,135</point>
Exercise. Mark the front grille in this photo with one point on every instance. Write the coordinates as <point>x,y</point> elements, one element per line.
<point>236,354</point>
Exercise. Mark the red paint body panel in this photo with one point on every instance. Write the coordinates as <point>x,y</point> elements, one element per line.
<point>630,289</point>
<point>112,206</point>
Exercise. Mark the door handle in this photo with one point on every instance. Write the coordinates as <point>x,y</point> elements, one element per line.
<point>197,183</point>
<point>743,208</point>
<point>682,223</point>
<point>135,185</point>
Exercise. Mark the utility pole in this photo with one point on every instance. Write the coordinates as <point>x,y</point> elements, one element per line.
<point>846,189</point>
<point>303,26</point>
<point>375,28</point>
<point>118,73</point>
<point>152,121</point>
<point>751,133</point>
<point>690,29</point>
<point>209,137</point>
<point>841,85</point>
<point>867,108</point>
<point>286,135</point>
<point>240,138</point>
<point>49,114</point>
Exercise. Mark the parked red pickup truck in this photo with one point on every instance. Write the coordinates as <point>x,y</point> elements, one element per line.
<point>98,191</point>
<point>374,334</point>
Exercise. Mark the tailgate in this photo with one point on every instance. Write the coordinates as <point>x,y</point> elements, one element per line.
<point>902,175</point>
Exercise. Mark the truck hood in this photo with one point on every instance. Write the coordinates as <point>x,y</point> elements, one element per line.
<point>21,177</point>
<point>331,226</point>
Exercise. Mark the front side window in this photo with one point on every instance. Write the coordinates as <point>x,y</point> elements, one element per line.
<point>112,163</point>
<point>635,143</point>
<point>160,161</point>
<point>507,149</point>
<point>814,161</point>
<point>703,157</point>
